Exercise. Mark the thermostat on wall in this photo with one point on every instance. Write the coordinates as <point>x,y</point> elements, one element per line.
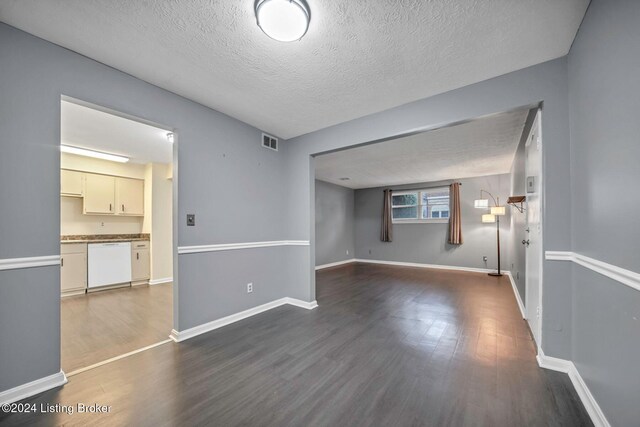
<point>531,184</point>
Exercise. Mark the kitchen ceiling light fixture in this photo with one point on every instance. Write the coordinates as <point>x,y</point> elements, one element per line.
<point>91,153</point>
<point>283,20</point>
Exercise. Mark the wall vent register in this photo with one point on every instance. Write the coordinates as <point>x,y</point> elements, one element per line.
<point>270,142</point>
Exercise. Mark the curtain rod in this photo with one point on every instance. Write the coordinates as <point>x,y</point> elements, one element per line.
<point>423,188</point>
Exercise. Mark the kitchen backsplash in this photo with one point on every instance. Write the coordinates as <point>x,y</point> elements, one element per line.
<point>72,221</point>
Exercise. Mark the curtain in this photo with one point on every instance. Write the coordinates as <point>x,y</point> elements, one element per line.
<point>387,225</point>
<point>455,221</point>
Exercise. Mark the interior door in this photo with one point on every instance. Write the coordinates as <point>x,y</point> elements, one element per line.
<point>533,238</point>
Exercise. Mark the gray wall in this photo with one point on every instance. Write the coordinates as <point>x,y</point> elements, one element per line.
<point>221,178</point>
<point>604,95</point>
<point>543,82</point>
<point>589,208</point>
<point>334,223</point>
<point>426,243</point>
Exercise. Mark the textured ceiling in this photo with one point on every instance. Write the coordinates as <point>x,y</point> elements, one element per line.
<point>359,56</point>
<point>88,128</point>
<point>485,146</point>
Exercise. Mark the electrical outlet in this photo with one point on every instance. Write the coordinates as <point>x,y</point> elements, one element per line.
<point>347,251</point>
<point>249,288</point>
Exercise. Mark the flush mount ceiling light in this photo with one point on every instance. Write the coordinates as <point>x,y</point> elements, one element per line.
<point>170,137</point>
<point>91,153</point>
<point>283,20</point>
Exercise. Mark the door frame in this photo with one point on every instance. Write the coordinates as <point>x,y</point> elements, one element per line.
<point>538,129</point>
<point>174,185</point>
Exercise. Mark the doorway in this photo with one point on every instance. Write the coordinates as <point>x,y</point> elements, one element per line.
<point>533,239</point>
<point>117,193</point>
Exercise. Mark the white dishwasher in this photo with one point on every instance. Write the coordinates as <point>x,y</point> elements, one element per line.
<point>109,263</point>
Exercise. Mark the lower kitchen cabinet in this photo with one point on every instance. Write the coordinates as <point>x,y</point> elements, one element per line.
<point>140,262</point>
<point>73,268</point>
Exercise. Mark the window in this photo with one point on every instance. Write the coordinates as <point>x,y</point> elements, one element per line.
<point>430,205</point>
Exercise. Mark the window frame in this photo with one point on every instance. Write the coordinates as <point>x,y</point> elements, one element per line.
<point>419,206</point>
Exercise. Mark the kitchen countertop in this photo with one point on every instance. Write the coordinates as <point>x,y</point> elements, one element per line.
<point>104,238</point>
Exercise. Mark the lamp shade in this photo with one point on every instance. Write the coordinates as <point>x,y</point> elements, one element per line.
<point>481,203</point>
<point>488,218</point>
<point>498,210</point>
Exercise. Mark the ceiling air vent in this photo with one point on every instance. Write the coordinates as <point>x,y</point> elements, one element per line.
<point>270,142</point>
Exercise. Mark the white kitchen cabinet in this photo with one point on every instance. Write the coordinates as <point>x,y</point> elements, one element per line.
<point>73,268</point>
<point>71,183</point>
<point>99,194</point>
<point>140,262</point>
<point>104,194</point>
<point>130,196</point>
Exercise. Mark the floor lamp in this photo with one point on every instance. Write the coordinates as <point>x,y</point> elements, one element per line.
<point>496,212</point>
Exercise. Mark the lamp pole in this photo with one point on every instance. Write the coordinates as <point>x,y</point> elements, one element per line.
<point>496,202</point>
<point>499,273</point>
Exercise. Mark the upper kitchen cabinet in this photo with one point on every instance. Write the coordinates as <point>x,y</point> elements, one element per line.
<point>99,194</point>
<point>71,183</point>
<point>130,196</point>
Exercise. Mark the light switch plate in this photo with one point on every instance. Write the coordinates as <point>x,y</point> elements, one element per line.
<point>531,184</point>
<point>191,220</point>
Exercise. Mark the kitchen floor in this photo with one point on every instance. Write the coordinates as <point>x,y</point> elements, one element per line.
<point>101,325</point>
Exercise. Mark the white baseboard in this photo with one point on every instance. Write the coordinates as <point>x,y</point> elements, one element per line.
<point>553,363</point>
<point>160,281</point>
<point>568,367</point>
<point>420,265</point>
<point>335,264</point>
<point>179,336</point>
<point>517,294</point>
<point>302,304</point>
<point>32,388</point>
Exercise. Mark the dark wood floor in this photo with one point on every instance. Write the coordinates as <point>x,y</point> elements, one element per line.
<point>388,346</point>
<point>100,325</point>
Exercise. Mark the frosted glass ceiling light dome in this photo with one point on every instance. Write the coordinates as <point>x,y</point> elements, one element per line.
<point>283,20</point>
